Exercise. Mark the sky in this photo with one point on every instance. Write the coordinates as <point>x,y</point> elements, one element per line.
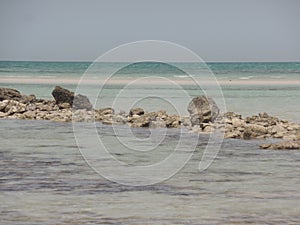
<point>217,30</point>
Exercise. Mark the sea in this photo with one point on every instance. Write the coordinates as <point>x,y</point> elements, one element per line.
<point>47,176</point>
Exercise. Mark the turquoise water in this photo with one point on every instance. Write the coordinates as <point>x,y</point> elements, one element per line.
<point>45,180</point>
<point>278,99</point>
<point>251,70</point>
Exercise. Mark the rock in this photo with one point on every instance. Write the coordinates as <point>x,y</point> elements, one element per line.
<point>289,137</point>
<point>262,119</point>
<point>293,127</point>
<point>30,107</point>
<point>64,115</point>
<point>105,111</point>
<point>254,131</point>
<point>285,145</point>
<point>81,115</point>
<point>3,115</point>
<point>162,114</point>
<point>3,105</point>
<point>142,121</point>
<point>196,129</point>
<point>233,134</point>
<point>158,123</point>
<point>100,114</point>
<point>62,95</point>
<point>9,94</point>
<point>265,146</point>
<point>185,121</point>
<point>135,116</point>
<point>44,106</point>
<point>13,94</point>
<point>202,109</point>
<point>231,115</point>
<point>278,135</point>
<point>297,134</point>
<point>276,129</point>
<point>13,107</point>
<point>27,99</point>
<point>119,119</point>
<point>208,129</point>
<point>236,122</point>
<point>29,115</point>
<point>171,121</point>
<point>82,102</point>
<point>64,105</point>
<point>108,122</point>
<point>136,111</point>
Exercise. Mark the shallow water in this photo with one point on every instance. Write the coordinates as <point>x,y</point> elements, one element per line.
<point>45,180</point>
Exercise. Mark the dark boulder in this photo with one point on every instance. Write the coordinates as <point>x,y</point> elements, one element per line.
<point>62,95</point>
<point>9,94</point>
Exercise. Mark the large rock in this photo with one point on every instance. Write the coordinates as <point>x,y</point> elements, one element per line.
<point>82,102</point>
<point>13,94</point>
<point>62,95</point>
<point>202,109</point>
<point>9,94</point>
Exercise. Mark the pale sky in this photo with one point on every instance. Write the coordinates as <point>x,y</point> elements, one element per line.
<point>224,30</point>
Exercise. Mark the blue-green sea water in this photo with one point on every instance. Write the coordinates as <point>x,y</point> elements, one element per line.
<point>241,70</point>
<point>45,180</point>
<point>268,93</point>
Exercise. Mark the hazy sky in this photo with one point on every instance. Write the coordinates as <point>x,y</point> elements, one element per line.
<point>224,30</point>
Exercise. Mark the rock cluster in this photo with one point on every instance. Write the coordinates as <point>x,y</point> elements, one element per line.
<point>260,126</point>
<point>204,116</point>
<point>284,145</point>
<point>12,94</point>
<point>64,96</point>
<point>67,107</point>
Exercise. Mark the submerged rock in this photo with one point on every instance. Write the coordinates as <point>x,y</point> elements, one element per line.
<point>285,145</point>
<point>82,102</point>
